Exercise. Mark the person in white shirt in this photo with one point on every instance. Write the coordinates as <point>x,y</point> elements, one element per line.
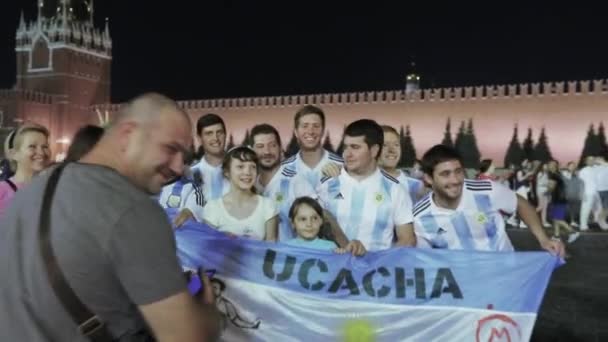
<point>241,212</point>
<point>466,214</point>
<point>275,181</point>
<point>601,181</point>
<point>184,192</point>
<point>391,155</point>
<point>211,132</point>
<point>309,123</point>
<point>368,204</point>
<point>587,175</point>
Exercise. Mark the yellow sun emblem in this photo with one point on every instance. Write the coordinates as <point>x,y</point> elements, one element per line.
<point>279,198</point>
<point>481,218</point>
<point>379,197</point>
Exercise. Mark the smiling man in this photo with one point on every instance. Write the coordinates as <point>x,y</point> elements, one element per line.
<point>211,131</point>
<point>466,214</point>
<point>309,161</point>
<point>368,204</point>
<point>275,181</point>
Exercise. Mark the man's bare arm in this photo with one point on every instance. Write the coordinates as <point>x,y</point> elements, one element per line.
<point>179,318</point>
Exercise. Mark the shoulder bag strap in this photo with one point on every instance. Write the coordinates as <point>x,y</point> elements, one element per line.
<point>88,323</point>
<point>11,184</point>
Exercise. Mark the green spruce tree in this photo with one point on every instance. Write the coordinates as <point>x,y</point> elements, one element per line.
<point>292,147</point>
<point>541,150</point>
<point>515,154</point>
<point>528,146</point>
<point>408,151</point>
<point>327,145</point>
<point>447,135</point>
<point>230,144</point>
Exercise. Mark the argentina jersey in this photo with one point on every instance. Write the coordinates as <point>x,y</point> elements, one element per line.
<point>367,210</point>
<point>412,186</point>
<point>284,187</point>
<point>214,184</point>
<point>314,175</point>
<point>476,224</point>
<point>173,197</point>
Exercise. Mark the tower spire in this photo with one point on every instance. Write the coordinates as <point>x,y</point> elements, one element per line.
<point>39,18</point>
<point>92,12</point>
<point>22,21</point>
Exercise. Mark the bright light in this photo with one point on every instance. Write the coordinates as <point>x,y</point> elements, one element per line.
<point>64,141</point>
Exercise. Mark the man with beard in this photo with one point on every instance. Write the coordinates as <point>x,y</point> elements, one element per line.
<point>312,157</point>
<point>367,203</point>
<point>465,214</point>
<point>211,131</point>
<point>275,181</point>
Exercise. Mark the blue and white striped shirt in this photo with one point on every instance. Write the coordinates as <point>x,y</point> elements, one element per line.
<point>314,175</point>
<point>284,187</point>
<point>367,210</point>
<point>476,224</point>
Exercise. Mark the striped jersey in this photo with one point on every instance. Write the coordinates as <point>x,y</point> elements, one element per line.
<point>412,186</point>
<point>314,175</point>
<point>284,187</point>
<point>174,197</point>
<point>215,185</point>
<point>367,210</point>
<point>476,224</point>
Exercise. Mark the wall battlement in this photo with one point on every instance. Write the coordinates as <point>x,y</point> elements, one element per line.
<point>26,95</point>
<point>490,92</point>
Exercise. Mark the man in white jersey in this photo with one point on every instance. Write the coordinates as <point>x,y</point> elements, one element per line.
<point>368,204</point>
<point>601,181</point>
<point>391,155</point>
<point>211,131</point>
<point>184,192</point>
<point>275,180</point>
<point>590,195</point>
<point>309,123</point>
<point>466,214</point>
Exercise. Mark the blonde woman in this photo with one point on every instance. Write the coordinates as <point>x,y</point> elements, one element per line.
<point>30,155</point>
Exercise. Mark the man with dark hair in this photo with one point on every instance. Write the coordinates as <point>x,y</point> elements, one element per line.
<point>466,214</point>
<point>207,175</point>
<point>275,181</point>
<point>309,123</point>
<point>366,202</point>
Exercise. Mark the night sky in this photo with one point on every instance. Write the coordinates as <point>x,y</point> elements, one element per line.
<point>209,49</point>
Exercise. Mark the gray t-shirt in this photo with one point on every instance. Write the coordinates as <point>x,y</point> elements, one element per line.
<point>112,241</point>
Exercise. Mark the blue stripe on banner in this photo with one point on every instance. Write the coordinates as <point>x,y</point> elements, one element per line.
<point>357,205</point>
<point>383,213</point>
<point>484,205</point>
<point>463,231</point>
<point>506,281</point>
<point>286,232</point>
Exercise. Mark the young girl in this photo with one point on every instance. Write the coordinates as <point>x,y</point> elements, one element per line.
<point>30,154</point>
<point>306,217</point>
<point>241,211</point>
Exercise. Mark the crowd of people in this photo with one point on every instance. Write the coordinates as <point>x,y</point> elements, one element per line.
<point>118,186</point>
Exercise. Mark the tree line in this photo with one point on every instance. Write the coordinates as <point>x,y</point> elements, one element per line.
<point>466,143</point>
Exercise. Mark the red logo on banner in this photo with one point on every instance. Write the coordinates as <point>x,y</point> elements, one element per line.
<point>495,328</point>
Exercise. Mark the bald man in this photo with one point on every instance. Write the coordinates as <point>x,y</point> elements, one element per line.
<point>112,242</point>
